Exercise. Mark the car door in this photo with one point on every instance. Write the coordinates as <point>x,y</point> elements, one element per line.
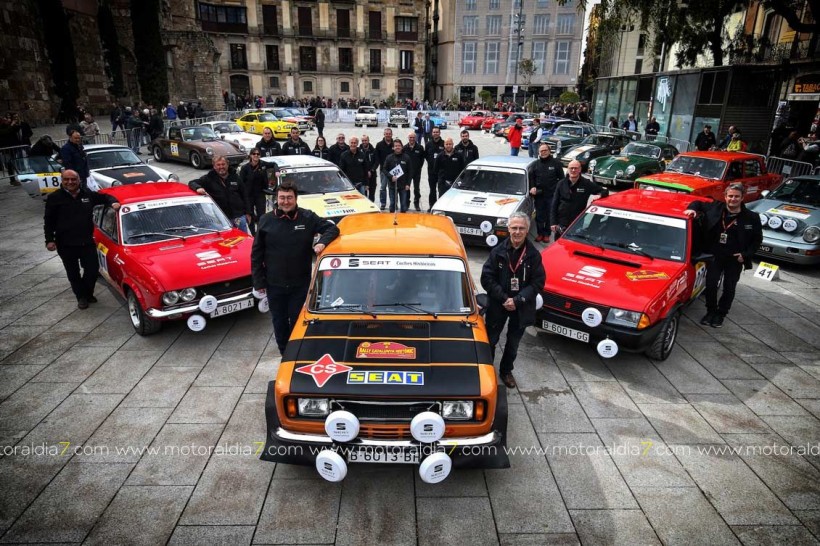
<point>171,146</point>
<point>109,250</point>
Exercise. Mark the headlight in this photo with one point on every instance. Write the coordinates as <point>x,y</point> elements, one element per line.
<point>630,169</point>
<point>241,148</point>
<point>501,222</point>
<point>584,155</point>
<point>558,147</point>
<point>457,410</point>
<point>592,164</point>
<point>188,294</point>
<point>438,212</point>
<point>173,178</point>
<point>170,298</point>
<point>314,407</point>
<point>116,183</point>
<point>812,234</point>
<point>763,219</point>
<point>209,151</point>
<point>622,317</point>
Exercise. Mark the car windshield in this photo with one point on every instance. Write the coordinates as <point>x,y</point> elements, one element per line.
<point>492,181</point>
<point>315,180</point>
<point>367,110</point>
<point>407,285</point>
<point>804,191</point>
<point>645,150</point>
<point>111,158</point>
<point>229,128</point>
<point>267,117</point>
<point>569,131</point>
<point>476,114</point>
<point>599,140</point>
<point>198,133</point>
<point>36,164</point>
<point>648,235</point>
<point>164,220</point>
<point>698,166</point>
<point>398,111</point>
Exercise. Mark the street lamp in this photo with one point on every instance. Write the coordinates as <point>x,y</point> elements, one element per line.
<point>519,20</point>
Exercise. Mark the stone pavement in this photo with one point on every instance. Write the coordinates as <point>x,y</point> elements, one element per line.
<point>153,440</point>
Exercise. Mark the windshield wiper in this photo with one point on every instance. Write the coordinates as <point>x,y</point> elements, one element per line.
<point>631,246</point>
<point>586,237</point>
<point>346,306</point>
<point>412,306</point>
<point>154,234</point>
<point>189,228</point>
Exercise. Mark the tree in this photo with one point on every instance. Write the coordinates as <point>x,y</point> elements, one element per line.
<point>568,97</point>
<point>526,68</point>
<point>486,97</point>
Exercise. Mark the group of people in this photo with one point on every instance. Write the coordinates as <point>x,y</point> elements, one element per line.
<point>732,141</point>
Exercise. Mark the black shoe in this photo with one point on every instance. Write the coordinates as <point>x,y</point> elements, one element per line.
<point>717,321</point>
<point>707,319</point>
<point>382,207</point>
<point>417,207</point>
<point>82,303</point>
<point>508,380</point>
<point>92,299</point>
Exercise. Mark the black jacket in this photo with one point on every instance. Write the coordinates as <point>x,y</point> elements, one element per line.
<point>570,200</point>
<point>229,196</point>
<point>468,151</point>
<point>448,167</point>
<point>406,163</point>
<point>283,247</point>
<point>416,153</point>
<point>431,152</point>
<point>254,182</point>
<point>355,166</point>
<point>496,275</point>
<point>383,150</point>
<point>67,220</point>
<point>269,149</point>
<point>372,159</point>
<point>750,232</point>
<point>295,148</point>
<point>322,153</point>
<point>319,118</point>
<point>336,152</point>
<point>73,157</point>
<point>703,141</point>
<point>545,177</point>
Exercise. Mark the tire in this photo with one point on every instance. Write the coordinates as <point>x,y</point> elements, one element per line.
<point>664,342</point>
<point>158,154</point>
<point>196,160</point>
<point>142,323</point>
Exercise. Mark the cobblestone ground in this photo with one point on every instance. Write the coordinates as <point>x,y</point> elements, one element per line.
<point>719,444</point>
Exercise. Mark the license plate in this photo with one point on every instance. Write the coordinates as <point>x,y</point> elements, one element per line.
<point>469,231</point>
<point>764,248</point>
<point>233,307</point>
<point>564,331</point>
<point>382,455</point>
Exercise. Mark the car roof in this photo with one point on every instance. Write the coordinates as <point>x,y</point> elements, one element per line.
<point>285,161</point>
<point>518,162</point>
<point>100,147</point>
<point>722,155</point>
<point>651,202</point>
<point>421,234</point>
<point>130,193</point>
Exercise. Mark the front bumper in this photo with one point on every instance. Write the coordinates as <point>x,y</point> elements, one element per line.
<point>193,307</point>
<point>613,181</point>
<point>789,251</point>
<point>628,339</point>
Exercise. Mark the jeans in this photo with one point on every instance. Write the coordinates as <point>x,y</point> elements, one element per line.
<point>73,258</point>
<point>730,268</point>
<point>361,187</point>
<point>241,222</point>
<point>285,303</point>
<point>513,151</point>
<point>496,318</point>
<point>417,188</point>
<point>398,193</point>
<point>385,178</point>
<point>443,187</point>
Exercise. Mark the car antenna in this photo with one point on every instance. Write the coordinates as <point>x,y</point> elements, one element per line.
<point>396,217</point>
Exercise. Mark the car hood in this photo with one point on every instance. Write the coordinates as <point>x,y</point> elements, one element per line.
<point>804,215</point>
<point>621,162</point>
<point>387,358</point>
<point>578,150</point>
<point>131,174</point>
<point>219,146</point>
<point>243,137</point>
<point>480,203</point>
<point>563,138</point>
<point>195,261</point>
<point>331,205</point>
<point>607,277</point>
<point>679,181</point>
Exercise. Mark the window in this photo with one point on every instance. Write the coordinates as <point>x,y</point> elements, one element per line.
<point>223,18</point>
<point>542,24</point>
<point>539,57</point>
<point>541,3</point>
<point>751,167</point>
<point>307,59</point>
<point>273,81</point>
<point>344,87</point>
<point>405,62</point>
<point>494,25</point>
<point>512,59</point>
<point>494,4</point>
<point>565,24</point>
<point>470,25</point>
<point>712,87</point>
<point>343,23</point>
<point>469,5</point>
<point>638,66</point>
<point>272,56</point>
<point>376,61</point>
<point>109,223</point>
<point>561,58</point>
<point>491,57</point>
<point>407,29</point>
<point>269,21</point>
<point>516,4</point>
<point>345,59</point>
<point>405,89</point>
<point>641,44</point>
<point>307,86</point>
<point>305,22</point>
<point>375,25</point>
<point>468,59</point>
<point>239,60</point>
<point>375,84</point>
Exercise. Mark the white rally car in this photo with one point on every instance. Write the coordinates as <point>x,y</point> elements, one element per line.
<point>115,165</point>
<point>38,175</point>
<point>485,194</point>
<point>231,132</point>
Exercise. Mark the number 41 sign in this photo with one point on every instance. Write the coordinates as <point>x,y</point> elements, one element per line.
<point>767,271</point>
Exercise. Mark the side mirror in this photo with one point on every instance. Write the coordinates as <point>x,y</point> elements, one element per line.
<point>764,193</point>
<point>483,300</point>
<point>702,257</point>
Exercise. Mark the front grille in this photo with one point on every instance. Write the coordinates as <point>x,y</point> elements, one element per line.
<point>386,412</point>
<point>226,288</point>
<point>371,432</point>
<point>570,306</point>
<point>471,220</point>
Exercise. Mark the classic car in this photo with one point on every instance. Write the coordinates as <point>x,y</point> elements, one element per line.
<point>637,159</point>
<point>708,174</point>
<point>322,187</point>
<point>38,175</point>
<point>256,122</point>
<point>622,273</point>
<point>194,145</point>
<point>567,136</point>
<point>484,195</point>
<point>498,128</point>
<point>172,254</point>
<point>791,221</point>
<point>293,115</point>
<point>550,125</point>
<point>366,115</point>
<point>438,119</point>
<point>398,118</point>
<point>114,165</point>
<point>527,123</point>
<point>596,145</point>
<point>498,117</point>
<point>231,132</point>
<point>389,361</point>
<point>474,119</point>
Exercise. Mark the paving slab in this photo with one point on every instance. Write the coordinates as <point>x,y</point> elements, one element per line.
<point>810,362</point>
<point>643,382</point>
<point>43,349</point>
<point>213,535</point>
<point>726,414</point>
<point>558,539</point>
<point>553,410</point>
<point>576,361</point>
<point>613,527</point>
<point>13,337</point>
<point>75,365</point>
<point>264,372</point>
<point>31,403</point>
<point>14,376</point>
<point>460,483</point>
<point>605,399</point>
<point>156,342</point>
<point>23,478</point>
<point>680,424</point>
<point>228,369</point>
<point>83,319</point>
<point>250,332</point>
<point>74,420</point>
<point>283,519</point>
<point>177,455</point>
<point>810,519</point>
<point>194,349</point>
<point>688,376</point>
<point>766,535</point>
<point>437,524</point>
<point>161,388</point>
<point>206,405</point>
<point>114,332</point>
<point>763,398</point>
<point>787,376</point>
<point>811,405</point>
<point>124,436</point>
<point>777,337</point>
<point>719,361</point>
<point>120,373</point>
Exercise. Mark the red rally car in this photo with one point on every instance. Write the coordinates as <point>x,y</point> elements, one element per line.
<point>474,119</point>
<point>172,254</point>
<point>622,272</point>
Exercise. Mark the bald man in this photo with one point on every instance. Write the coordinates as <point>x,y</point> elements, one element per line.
<point>448,166</point>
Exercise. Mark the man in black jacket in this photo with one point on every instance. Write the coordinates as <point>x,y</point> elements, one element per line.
<point>295,145</point>
<point>253,175</point>
<point>225,188</point>
<point>281,258</point>
<point>383,149</point>
<point>353,163</point>
<point>338,149</point>
<point>319,120</point>
<point>466,148</point>
<point>73,156</point>
<point>544,178</point>
<point>448,166</point>
<point>267,145</point>
<point>732,233</point>
<point>69,229</point>
<point>571,197</point>
<point>513,275</point>
<point>433,148</point>
<point>399,168</point>
<point>416,153</point>
<point>373,163</point>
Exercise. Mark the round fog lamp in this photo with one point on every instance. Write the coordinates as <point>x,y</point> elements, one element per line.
<point>790,225</point>
<point>331,466</point>
<point>264,305</point>
<point>207,304</point>
<point>763,219</point>
<point>539,302</point>
<point>775,222</point>
<point>435,468</point>
<point>486,226</point>
<point>342,426</point>
<point>427,427</point>
<point>607,348</point>
<point>491,240</point>
<point>591,317</point>
<point>196,323</point>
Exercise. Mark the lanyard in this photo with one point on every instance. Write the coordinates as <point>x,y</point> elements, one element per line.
<point>723,222</point>
<point>520,259</point>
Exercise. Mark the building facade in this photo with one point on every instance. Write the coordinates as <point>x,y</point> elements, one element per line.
<point>480,44</point>
<point>308,48</point>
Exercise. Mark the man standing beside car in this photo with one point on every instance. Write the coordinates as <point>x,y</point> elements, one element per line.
<point>295,145</point>
<point>267,145</point>
<point>338,148</point>
<point>281,258</point>
<point>73,156</point>
<point>544,178</point>
<point>353,162</point>
<point>732,233</point>
<point>466,148</point>
<point>383,149</point>
<point>225,188</point>
<point>432,150</point>
<point>448,166</point>
<point>373,163</point>
<point>513,275</point>
<point>416,153</point>
<point>572,194</point>
<point>254,181</point>
<point>399,169</point>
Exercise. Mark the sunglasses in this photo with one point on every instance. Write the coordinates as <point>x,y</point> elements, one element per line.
<point>255,153</point>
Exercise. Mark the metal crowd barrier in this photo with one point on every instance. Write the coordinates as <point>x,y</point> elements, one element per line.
<point>789,167</point>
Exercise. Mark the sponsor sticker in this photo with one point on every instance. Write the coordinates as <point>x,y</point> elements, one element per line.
<point>646,275</point>
<point>394,262</point>
<point>791,211</point>
<point>353,196</point>
<point>385,350</point>
<point>506,201</point>
<point>160,203</point>
<point>384,377</point>
<point>233,241</point>
<point>131,175</point>
<point>639,216</point>
<point>323,369</point>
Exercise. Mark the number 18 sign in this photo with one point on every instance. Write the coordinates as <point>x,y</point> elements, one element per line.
<point>767,271</point>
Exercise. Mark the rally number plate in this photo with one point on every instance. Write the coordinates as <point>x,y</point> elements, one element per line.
<point>366,454</point>
<point>233,307</point>
<point>564,331</point>
<point>469,231</point>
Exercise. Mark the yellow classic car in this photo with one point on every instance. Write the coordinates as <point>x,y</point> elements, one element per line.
<point>255,122</point>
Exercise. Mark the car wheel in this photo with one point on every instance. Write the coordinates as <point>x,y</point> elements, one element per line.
<point>158,155</point>
<point>663,343</point>
<point>142,323</point>
<point>196,160</point>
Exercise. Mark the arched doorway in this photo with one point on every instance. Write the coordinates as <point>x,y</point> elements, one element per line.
<point>405,89</point>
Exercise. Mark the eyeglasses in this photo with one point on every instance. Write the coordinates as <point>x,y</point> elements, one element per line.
<point>255,153</point>
<point>575,168</point>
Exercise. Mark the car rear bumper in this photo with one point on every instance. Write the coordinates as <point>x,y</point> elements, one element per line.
<point>628,339</point>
